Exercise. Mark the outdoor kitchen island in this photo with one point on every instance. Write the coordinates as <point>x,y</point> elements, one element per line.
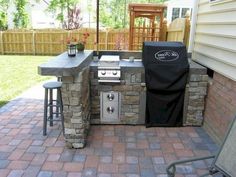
<point>82,93</point>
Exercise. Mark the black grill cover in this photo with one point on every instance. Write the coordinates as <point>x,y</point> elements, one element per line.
<point>166,71</point>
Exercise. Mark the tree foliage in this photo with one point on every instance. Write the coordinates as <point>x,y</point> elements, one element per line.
<point>73,20</point>
<point>4,4</point>
<point>67,12</point>
<point>114,13</point>
<point>21,18</point>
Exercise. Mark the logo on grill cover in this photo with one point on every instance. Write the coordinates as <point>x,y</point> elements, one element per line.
<point>167,55</point>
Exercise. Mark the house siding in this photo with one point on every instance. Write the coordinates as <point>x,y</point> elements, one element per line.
<point>215,37</point>
<point>215,48</point>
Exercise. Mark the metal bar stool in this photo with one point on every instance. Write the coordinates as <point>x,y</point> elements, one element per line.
<point>49,103</point>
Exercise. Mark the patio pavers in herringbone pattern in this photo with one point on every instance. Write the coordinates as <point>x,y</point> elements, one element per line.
<point>111,150</point>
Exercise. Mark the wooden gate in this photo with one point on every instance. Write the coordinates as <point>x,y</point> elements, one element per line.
<point>179,30</point>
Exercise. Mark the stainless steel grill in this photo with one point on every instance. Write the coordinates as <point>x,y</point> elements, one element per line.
<point>109,69</point>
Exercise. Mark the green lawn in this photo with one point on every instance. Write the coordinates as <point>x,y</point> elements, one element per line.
<point>17,73</point>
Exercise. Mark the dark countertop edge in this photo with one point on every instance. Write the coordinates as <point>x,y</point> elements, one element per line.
<point>68,68</point>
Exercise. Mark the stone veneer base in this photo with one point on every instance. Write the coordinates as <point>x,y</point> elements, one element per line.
<point>133,90</point>
<point>76,108</point>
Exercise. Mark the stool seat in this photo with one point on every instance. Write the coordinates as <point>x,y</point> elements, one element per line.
<point>52,85</point>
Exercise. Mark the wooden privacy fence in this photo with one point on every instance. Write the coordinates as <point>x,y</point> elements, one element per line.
<point>53,41</point>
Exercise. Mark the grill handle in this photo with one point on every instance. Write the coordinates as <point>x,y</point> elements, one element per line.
<point>110,96</point>
<point>110,81</point>
<point>110,109</point>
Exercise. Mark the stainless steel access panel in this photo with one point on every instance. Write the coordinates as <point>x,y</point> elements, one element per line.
<point>110,107</point>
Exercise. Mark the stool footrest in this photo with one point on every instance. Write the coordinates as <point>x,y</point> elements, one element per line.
<point>54,119</point>
<point>57,113</point>
<point>53,105</point>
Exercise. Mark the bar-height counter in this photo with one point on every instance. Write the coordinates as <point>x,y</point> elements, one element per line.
<point>75,93</point>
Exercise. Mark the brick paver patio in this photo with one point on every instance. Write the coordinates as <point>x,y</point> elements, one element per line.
<point>111,151</point>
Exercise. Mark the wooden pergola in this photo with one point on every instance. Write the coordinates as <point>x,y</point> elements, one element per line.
<point>149,25</point>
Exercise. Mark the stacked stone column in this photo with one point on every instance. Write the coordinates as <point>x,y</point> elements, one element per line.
<point>195,93</point>
<point>76,108</point>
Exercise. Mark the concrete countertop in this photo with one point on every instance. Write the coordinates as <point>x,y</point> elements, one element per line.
<point>124,64</point>
<point>62,65</point>
<point>195,68</point>
<point>134,64</point>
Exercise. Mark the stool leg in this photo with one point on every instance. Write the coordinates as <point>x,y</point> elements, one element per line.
<point>57,105</point>
<point>51,107</point>
<point>61,110</point>
<point>45,113</point>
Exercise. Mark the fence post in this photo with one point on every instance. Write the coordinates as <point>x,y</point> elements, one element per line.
<point>106,41</point>
<point>51,42</point>
<point>187,29</point>
<point>163,31</point>
<point>33,43</point>
<point>2,48</point>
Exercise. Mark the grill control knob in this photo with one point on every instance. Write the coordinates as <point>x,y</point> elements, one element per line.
<point>114,72</point>
<point>103,72</point>
<point>110,110</point>
<point>110,96</point>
